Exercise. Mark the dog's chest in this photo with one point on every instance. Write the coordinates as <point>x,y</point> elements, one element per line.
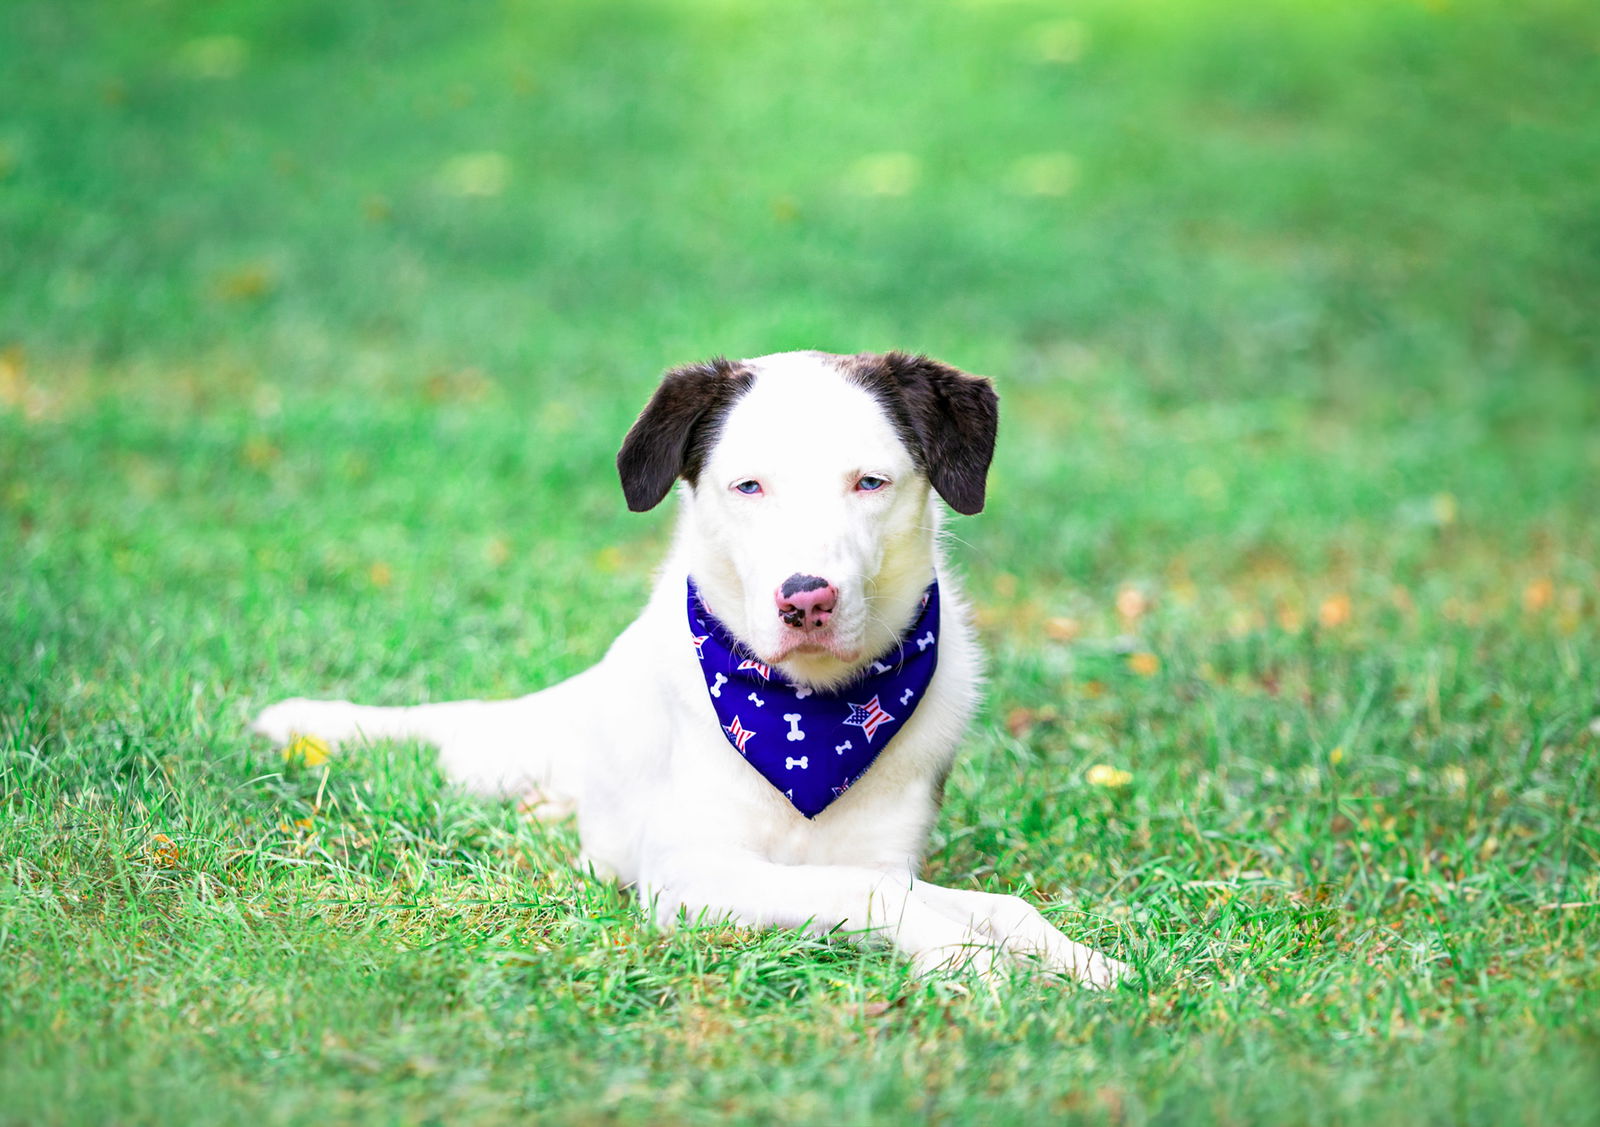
<point>848,833</point>
<point>881,823</point>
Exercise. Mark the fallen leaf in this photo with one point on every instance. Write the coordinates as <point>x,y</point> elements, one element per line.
<point>1144,664</point>
<point>1105,775</point>
<point>307,751</point>
<point>163,851</point>
<point>1335,611</point>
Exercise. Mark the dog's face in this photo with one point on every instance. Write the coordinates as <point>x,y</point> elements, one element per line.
<point>808,481</point>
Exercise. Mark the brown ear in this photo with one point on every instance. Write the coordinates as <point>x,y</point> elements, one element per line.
<point>946,417</point>
<point>675,430</point>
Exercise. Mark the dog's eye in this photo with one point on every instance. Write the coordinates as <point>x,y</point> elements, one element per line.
<point>870,484</point>
<point>749,488</point>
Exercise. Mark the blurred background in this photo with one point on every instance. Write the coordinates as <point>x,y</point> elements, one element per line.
<point>320,324</point>
<point>1287,302</point>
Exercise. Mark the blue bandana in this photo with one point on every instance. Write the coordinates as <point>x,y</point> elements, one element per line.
<point>810,744</point>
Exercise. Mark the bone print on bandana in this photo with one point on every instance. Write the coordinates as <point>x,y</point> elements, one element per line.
<point>856,721</point>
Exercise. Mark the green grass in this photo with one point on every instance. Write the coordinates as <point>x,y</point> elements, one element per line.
<point>320,323</point>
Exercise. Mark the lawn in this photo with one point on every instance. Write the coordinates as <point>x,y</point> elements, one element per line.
<point>319,327</point>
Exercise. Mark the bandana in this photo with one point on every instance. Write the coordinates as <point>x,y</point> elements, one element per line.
<point>810,744</point>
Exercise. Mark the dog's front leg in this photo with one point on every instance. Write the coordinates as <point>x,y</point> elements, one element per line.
<point>859,902</point>
<point>1021,929</point>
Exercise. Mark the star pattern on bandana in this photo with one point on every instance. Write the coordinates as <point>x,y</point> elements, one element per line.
<point>868,717</point>
<point>738,734</point>
<point>699,641</point>
<point>756,667</point>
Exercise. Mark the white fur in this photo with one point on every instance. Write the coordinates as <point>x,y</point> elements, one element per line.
<point>663,802</point>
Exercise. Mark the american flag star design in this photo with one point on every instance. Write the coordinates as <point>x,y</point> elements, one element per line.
<point>699,641</point>
<point>738,733</point>
<point>763,671</point>
<point>868,717</point>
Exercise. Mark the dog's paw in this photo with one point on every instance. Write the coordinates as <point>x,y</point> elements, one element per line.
<point>282,722</point>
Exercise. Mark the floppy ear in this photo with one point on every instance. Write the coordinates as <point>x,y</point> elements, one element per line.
<point>953,417</point>
<point>675,430</point>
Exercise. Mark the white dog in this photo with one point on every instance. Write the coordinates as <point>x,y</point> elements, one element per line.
<point>768,742</point>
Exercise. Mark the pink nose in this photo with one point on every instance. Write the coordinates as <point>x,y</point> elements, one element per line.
<point>806,601</point>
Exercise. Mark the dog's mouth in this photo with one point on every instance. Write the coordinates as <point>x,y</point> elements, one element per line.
<point>813,645</point>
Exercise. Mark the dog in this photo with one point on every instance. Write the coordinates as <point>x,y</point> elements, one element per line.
<point>767,743</point>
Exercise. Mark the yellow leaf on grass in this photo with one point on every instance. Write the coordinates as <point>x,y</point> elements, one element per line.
<point>1144,664</point>
<point>1334,611</point>
<point>1105,775</point>
<point>163,851</point>
<point>308,751</point>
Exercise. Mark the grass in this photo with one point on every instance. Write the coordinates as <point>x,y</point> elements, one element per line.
<point>318,329</point>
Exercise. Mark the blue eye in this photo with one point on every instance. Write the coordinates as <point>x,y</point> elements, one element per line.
<point>748,488</point>
<point>870,484</point>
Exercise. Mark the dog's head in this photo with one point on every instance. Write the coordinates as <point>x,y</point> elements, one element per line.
<point>807,502</point>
